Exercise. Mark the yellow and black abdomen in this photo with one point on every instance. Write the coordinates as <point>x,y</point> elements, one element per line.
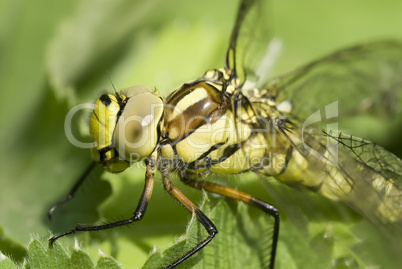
<point>201,133</point>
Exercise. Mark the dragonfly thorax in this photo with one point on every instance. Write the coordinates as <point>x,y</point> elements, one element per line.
<point>207,127</point>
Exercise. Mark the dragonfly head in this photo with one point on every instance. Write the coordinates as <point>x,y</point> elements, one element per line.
<point>124,127</point>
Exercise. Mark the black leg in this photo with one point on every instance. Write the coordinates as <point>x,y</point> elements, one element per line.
<point>139,211</point>
<point>72,191</point>
<point>244,197</point>
<point>184,201</point>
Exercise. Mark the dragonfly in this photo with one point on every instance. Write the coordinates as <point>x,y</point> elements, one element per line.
<point>235,119</point>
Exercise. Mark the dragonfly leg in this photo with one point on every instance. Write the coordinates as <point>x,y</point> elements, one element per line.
<point>244,197</point>
<point>183,200</point>
<point>72,191</point>
<point>137,215</point>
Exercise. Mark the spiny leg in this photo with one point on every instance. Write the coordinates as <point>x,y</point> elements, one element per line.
<point>244,197</point>
<point>138,213</point>
<point>184,201</point>
<point>72,191</point>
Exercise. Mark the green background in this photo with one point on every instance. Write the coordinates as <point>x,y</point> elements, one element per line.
<point>55,54</point>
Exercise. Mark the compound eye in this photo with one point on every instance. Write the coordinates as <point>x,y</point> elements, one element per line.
<point>136,134</point>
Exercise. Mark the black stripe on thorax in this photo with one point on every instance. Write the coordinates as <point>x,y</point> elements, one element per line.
<point>227,153</point>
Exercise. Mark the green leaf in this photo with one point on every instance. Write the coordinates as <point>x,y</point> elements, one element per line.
<point>81,259</point>
<point>40,256</point>
<point>236,245</point>
<point>241,236</point>
<point>10,247</point>
<point>106,262</point>
<point>59,257</point>
<point>6,263</point>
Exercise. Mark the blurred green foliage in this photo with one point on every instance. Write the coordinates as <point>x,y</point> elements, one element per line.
<point>55,54</point>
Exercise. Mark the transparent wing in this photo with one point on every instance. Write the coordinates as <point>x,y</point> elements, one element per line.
<point>363,79</point>
<point>356,171</point>
<point>248,45</point>
<point>360,80</point>
<point>372,156</point>
<point>373,176</point>
<point>249,41</point>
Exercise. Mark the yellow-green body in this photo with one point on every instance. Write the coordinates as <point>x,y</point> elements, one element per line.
<point>212,125</point>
